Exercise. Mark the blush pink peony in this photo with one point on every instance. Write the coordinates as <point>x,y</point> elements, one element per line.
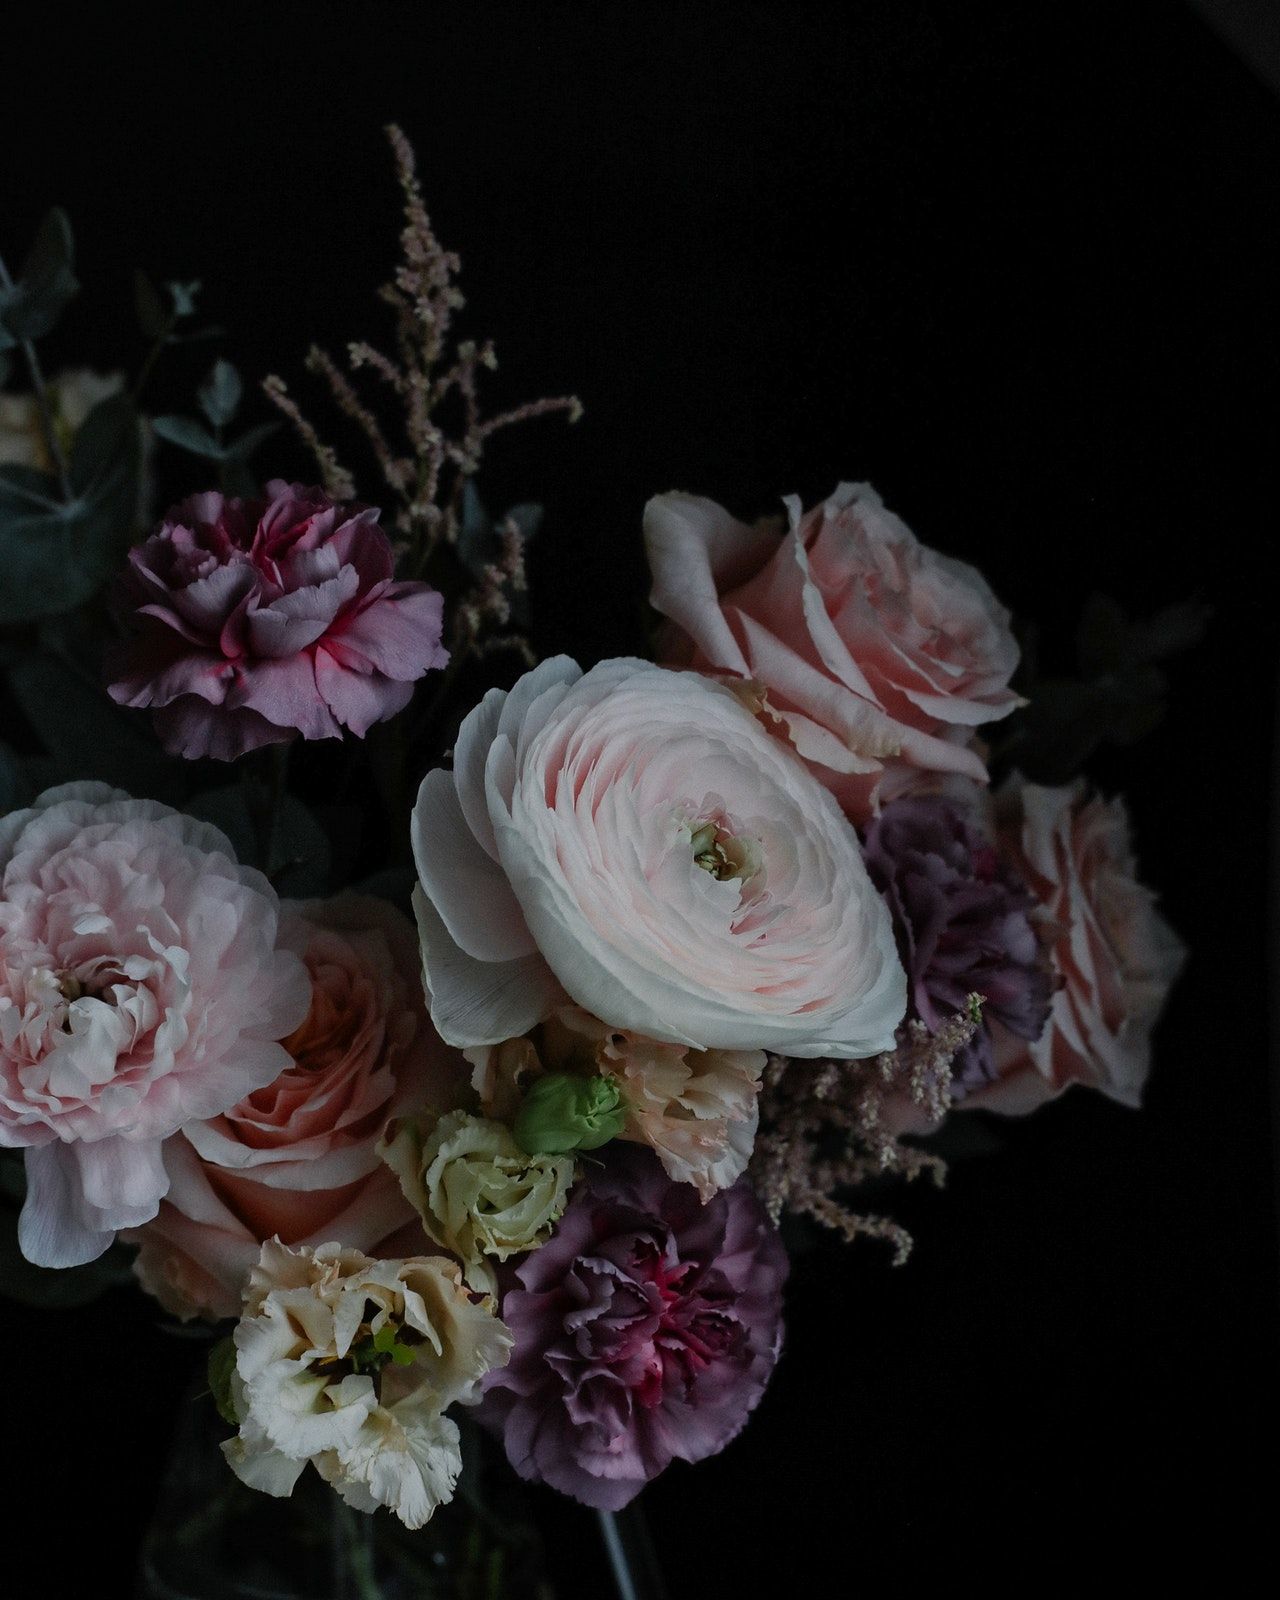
<point>253,621</point>
<point>634,840</point>
<point>298,1158</point>
<point>872,652</point>
<point>1113,956</point>
<point>141,987</point>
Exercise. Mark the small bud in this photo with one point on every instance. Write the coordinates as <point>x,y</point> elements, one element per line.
<point>563,1112</point>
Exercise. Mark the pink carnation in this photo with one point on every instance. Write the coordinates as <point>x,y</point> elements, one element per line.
<point>872,652</point>
<point>645,1331</point>
<point>256,620</point>
<point>297,1159</point>
<point>140,987</point>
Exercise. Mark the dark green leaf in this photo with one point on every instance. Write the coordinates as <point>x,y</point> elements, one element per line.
<point>222,1363</point>
<point>220,393</point>
<point>300,854</point>
<point>242,448</point>
<point>149,308</point>
<point>47,282</point>
<point>85,732</point>
<point>188,434</point>
<point>184,297</point>
<point>52,555</point>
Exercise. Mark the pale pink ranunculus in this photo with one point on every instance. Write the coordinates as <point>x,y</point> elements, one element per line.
<point>1113,955</point>
<point>141,987</point>
<point>298,1159</point>
<point>873,652</point>
<point>633,839</point>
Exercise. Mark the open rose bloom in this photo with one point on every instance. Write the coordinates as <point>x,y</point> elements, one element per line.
<point>876,656</point>
<point>298,1158</point>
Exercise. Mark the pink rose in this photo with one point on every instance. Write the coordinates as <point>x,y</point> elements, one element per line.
<point>633,839</point>
<point>141,987</point>
<point>1113,955</point>
<point>873,652</point>
<point>298,1159</point>
<point>257,620</point>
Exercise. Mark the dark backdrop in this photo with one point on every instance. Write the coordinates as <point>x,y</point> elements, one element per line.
<point>1016,265</point>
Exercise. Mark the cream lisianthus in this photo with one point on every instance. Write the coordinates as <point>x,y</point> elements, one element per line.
<point>478,1193</point>
<point>72,396</point>
<point>349,1363</point>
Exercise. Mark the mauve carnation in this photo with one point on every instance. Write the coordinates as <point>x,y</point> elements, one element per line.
<point>141,988</point>
<point>645,1331</point>
<point>298,1159</point>
<point>256,620</point>
<point>962,917</point>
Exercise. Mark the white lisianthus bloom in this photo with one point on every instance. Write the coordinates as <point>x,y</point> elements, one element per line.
<point>631,838</point>
<point>477,1192</point>
<point>349,1363</point>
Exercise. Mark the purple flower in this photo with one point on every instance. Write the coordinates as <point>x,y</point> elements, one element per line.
<point>645,1329</point>
<point>962,919</point>
<point>256,620</point>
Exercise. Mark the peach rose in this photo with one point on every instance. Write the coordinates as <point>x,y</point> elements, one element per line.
<point>1114,956</point>
<point>299,1158</point>
<point>872,652</point>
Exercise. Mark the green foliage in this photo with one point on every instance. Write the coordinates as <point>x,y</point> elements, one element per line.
<point>563,1112</point>
<point>57,552</point>
<point>30,307</point>
<point>300,855</point>
<point>222,1363</point>
<point>219,399</point>
<point>83,732</point>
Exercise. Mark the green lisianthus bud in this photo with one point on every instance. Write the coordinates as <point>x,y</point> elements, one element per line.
<point>222,1363</point>
<point>564,1112</point>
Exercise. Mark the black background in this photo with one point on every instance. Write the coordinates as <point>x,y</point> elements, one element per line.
<point>1016,265</point>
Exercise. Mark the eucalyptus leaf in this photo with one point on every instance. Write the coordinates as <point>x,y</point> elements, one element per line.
<point>242,448</point>
<point>85,733</point>
<point>220,394</point>
<point>153,318</point>
<point>53,555</point>
<point>300,854</point>
<point>183,296</point>
<point>188,434</point>
<point>32,306</point>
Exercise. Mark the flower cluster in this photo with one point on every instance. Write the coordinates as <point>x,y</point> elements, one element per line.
<point>699,941</point>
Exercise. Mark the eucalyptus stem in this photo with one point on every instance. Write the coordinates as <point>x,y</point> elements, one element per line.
<point>353,1553</point>
<point>47,424</point>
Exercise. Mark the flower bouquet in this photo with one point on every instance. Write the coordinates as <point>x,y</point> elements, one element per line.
<point>458,1035</point>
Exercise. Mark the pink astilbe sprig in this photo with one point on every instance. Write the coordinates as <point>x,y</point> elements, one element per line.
<point>824,1130</point>
<point>440,428</point>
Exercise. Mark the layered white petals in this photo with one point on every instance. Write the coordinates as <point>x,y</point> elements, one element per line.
<point>595,787</point>
<point>307,1387</point>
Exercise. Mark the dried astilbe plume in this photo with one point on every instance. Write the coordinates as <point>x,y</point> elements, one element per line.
<point>823,1127</point>
<point>441,431</point>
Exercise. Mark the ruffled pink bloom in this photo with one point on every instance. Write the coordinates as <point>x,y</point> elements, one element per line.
<point>257,620</point>
<point>634,840</point>
<point>872,652</point>
<point>1113,955</point>
<point>141,987</point>
<point>645,1330</point>
<point>297,1159</point>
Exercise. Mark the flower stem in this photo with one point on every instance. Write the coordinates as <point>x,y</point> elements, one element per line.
<point>47,424</point>
<point>263,776</point>
<point>353,1553</point>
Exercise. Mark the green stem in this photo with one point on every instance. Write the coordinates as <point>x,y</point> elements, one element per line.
<point>357,1545</point>
<point>47,424</point>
